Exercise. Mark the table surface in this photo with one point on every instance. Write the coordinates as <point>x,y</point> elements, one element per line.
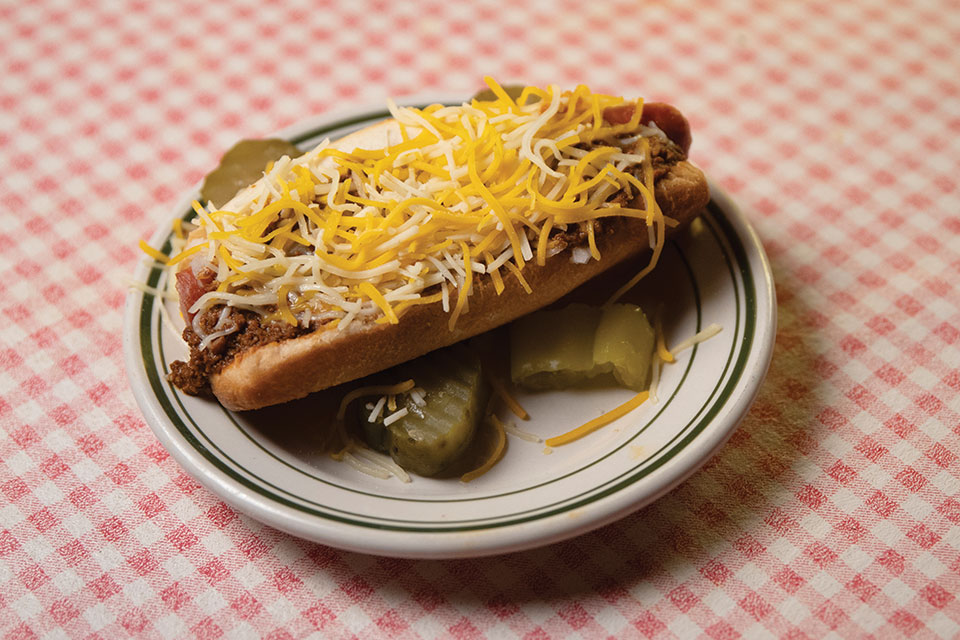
<point>833,511</point>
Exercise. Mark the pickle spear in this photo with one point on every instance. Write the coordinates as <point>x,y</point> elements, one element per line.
<point>624,340</point>
<point>569,347</point>
<point>432,435</point>
<point>554,349</point>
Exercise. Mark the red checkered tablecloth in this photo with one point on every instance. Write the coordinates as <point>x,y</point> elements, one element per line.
<point>833,511</point>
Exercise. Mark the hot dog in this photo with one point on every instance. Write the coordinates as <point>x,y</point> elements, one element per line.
<point>421,231</point>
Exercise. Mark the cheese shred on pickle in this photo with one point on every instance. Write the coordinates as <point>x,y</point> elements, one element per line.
<point>458,194</point>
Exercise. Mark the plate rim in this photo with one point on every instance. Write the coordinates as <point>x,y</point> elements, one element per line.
<point>480,540</point>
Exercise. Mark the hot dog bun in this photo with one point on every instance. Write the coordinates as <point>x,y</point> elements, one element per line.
<point>287,369</point>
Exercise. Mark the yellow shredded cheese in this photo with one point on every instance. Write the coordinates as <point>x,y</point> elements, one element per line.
<point>159,256</point>
<point>380,301</point>
<point>495,455</point>
<point>454,194</point>
<point>501,390</point>
<point>662,352</point>
<point>600,421</point>
<point>523,281</point>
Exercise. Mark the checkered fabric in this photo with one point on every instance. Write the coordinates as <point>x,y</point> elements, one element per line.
<point>833,511</point>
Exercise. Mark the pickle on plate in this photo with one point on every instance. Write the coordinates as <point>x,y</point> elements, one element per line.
<point>554,349</point>
<point>434,433</point>
<point>512,90</point>
<point>242,165</point>
<point>569,347</point>
<point>625,340</point>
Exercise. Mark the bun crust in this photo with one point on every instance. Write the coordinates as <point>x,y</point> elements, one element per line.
<point>290,369</point>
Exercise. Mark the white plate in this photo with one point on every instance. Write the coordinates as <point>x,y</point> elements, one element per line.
<point>266,463</point>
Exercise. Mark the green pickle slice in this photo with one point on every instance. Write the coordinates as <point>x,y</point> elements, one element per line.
<point>242,165</point>
<point>625,340</point>
<point>569,347</point>
<point>431,437</point>
<point>512,90</point>
<point>554,349</point>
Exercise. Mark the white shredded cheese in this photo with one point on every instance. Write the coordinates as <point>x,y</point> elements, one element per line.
<point>393,417</point>
<point>514,430</point>
<point>416,394</point>
<point>334,233</point>
<point>377,409</point>
<point>381,461</point>
<point>654,377</point>
<point>706,334</point>
<point>371,469</point>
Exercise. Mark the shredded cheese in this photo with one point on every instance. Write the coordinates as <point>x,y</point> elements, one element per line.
<point>380,460</point>
<point>370,462</point>
<point>600,421</point>
<point>514,430</point>
<point>362,466</point>
<point>159,256</point>
<point>393,417</point>
<point>501,390</point>
<point>454,194</point>
<point>157,293</point>
<point>497,453</point>
<point>655,364</point>
<point>377,409</point>
<point>662,352</point>
<point>376,390</point>
<point>706,334</point>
